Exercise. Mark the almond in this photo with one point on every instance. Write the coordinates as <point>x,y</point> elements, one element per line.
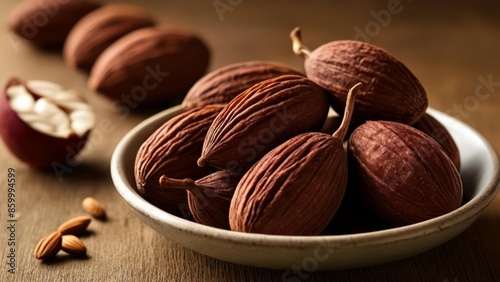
<point>72,245</point>
<point>98,30</point>
<point>149,66</point>
<point>46,23</point>
<point>75,226</point>
<point>432,127</point>
<point>48,246</point>
<point>94,207</point>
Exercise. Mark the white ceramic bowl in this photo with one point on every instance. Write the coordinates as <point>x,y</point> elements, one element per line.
<point>479,171</point>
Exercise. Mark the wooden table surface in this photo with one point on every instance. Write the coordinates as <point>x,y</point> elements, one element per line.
<point>450,47</point>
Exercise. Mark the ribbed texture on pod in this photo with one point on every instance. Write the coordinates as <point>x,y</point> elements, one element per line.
<point>430,126</point>
<point>390,90</point>
<point>262,117</point>
<point>150,65</point>
<point>47,23</point>
<point>293,190</point>
<point>98,30</point>
<point>211,207</point>
<point>172,150</point>
<point>404,175</point>
<point>222,85</point>
<point>209,198</point>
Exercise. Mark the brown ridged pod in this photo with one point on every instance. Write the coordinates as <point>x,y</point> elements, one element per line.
<point>403,175</point>
<point>150,66</point>
<point>98,30</point>
<point>296,188</point>
<point>173,150</point>
<point>390,90</point>
<point>261,118</point>
<point>223,84</point>
<point>209,197</point>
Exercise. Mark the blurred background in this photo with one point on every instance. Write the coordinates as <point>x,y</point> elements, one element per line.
<point>451,47</point>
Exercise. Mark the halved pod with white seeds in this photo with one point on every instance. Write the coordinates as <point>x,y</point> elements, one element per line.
<point>41,123</point>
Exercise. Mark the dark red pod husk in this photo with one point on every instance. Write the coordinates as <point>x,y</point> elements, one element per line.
<point>296,188</point>
<point>173,150</point>
<point>209,198</point>
<point>47,23</point>
<point>261,118</point>
<point>432,127</point>
<point>223,84</point>
<point>293,190</point>
<point>403,175</point>
<point>390,90</point>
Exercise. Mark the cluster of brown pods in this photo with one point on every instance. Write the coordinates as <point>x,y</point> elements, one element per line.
<point>255,149</point>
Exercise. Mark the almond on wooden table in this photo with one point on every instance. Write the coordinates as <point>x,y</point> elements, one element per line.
<point>297,187</point>
<point>94,207</point>
<point>390,92</point>
<point>37,114</point>
<point>72,245</point>
<point>75,226</point>
<point>48,246</point>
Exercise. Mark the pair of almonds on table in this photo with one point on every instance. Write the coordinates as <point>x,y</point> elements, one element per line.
<point>65,237</point>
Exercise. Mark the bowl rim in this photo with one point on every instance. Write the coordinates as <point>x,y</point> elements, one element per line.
<point>395,235</point>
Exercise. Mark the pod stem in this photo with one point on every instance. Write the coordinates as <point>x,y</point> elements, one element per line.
<point>201,162</point>
<point>298,46</point>
<point>349,108</point>
<point>169,183</point>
